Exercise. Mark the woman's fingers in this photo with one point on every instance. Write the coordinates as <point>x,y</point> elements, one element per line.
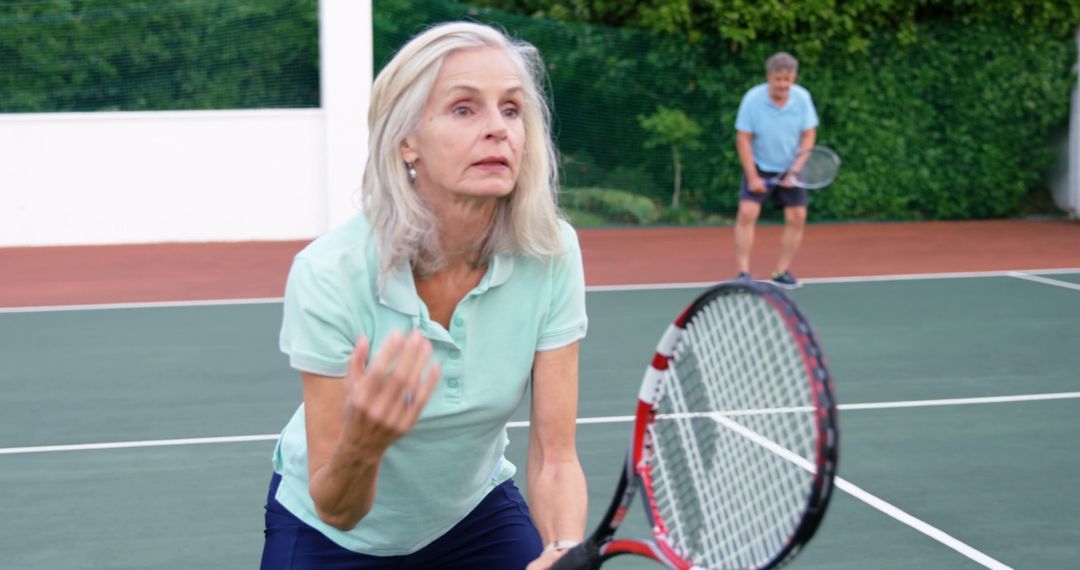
<point>411,368</point>
<point>358,359</point>
<point>426,383</point>
<point>388,394</point>
<point>414,347</point>
<point>383,362</point>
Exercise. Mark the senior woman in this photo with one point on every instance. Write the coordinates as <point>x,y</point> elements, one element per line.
<point>418,326</point>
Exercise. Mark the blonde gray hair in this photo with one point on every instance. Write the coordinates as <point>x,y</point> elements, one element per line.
<point>525,222</point>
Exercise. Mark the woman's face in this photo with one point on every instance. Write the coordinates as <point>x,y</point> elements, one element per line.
<point>471,135</point>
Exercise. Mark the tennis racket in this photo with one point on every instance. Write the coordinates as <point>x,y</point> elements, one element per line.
<point>818,171</point>
<point>734,446</point>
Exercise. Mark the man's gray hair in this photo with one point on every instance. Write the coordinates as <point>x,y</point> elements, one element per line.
<point>781,61</point>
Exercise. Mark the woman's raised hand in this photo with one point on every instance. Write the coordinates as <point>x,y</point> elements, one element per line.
<point>384,397</point>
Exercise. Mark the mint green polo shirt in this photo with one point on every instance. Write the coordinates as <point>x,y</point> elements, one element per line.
<point>431,478</point>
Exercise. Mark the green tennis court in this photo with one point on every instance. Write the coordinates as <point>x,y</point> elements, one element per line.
<point>140,436</point>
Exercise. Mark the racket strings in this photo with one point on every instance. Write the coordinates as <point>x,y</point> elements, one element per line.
<point>725,500</point>
<point>731,515</point>
<point>699,463</point>
<point>735,532</point>
<point>820,168</point>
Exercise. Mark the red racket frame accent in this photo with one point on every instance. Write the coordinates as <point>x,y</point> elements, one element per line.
<point>637,470</point>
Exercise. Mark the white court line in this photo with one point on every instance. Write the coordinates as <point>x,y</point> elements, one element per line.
<point>849,279</point>
<point>842,484</point>
<point>590,289</point>
<point>142,305</point>
<point>130,444</point>
<point>962,401</point>
<point>1044,280</point>
<point>523,424</point>
<point>931,531</point>
<point>876,502</point>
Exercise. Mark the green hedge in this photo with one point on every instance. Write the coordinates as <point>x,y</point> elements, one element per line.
<point>612,205</point>
<point>955,126</point>
<point>940,110</point>
<point>132,55</point>
<point>950,119</point>
<point>812,27</point>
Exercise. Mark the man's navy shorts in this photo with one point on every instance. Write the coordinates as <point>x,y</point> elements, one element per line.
<point>782,196</point>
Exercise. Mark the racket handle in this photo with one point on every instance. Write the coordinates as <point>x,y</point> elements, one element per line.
<point>585,556</point>
<point>770,183</point>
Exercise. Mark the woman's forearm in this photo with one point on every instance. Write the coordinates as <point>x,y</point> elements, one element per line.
<point>343,489</point>
<point>558,499</point>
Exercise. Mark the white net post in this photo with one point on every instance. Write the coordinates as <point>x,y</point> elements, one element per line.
<point>345,47</point>
<point>1068,197</point>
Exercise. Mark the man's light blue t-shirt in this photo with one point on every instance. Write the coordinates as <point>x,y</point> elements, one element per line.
<point>434,476</point>
<point>777,130</point>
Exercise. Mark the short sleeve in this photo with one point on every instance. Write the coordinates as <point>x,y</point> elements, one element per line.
<point>743,120</point>
<point>566,321</point>
<point>810,117</point>
<point>317,331</point>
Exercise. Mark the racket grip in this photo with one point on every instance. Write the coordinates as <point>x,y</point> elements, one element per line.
<point>775,182</point>
<point>585,556</point>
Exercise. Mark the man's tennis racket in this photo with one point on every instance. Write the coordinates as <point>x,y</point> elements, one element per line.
<point>820,169</point>
<point>734,446</point>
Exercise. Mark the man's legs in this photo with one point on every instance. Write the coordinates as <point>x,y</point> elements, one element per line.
<point>794,224</point>
<point>744,233</point>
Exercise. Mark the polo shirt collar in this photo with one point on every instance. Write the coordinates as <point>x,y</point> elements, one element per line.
<point>399,291</point>
<point>502,266</point>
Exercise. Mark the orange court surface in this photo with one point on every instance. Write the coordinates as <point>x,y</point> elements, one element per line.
<point>47,276</point>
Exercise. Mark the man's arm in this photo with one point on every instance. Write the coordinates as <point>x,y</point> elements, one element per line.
<point>743,144</point>
<point>806,142</point>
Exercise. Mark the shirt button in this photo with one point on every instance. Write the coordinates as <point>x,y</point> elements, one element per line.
<point>452,382</point>
<point>458,321</point>
<point>455,354</point>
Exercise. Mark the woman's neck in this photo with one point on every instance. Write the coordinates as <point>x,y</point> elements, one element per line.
<point>464,224</point>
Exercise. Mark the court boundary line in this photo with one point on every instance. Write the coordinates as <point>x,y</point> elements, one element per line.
<point>1019,398</point>
<point>142,305</point>
<point>918,524</point>
<point>845,485</point>
<point>1028,274</point>
<point>1044,280</point>
<point>870,499</point>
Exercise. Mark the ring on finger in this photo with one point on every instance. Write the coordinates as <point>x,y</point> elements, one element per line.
<point>409,397</point>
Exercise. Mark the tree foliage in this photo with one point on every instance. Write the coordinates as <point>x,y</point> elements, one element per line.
<point>954,125</point>
<point>810,25</point>
<point>671,128</point>
<point>97,55</point>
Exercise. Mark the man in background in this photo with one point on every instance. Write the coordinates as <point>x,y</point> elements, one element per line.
<point>776,124</point>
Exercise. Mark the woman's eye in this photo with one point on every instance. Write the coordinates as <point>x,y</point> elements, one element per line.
<point>511,112</point>
<point>461,111</point>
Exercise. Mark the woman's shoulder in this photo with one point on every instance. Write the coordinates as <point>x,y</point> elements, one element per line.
<point>347,248</point>
<point>568,236</point>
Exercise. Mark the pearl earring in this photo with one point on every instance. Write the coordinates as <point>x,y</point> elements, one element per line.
<point>410,171</point>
